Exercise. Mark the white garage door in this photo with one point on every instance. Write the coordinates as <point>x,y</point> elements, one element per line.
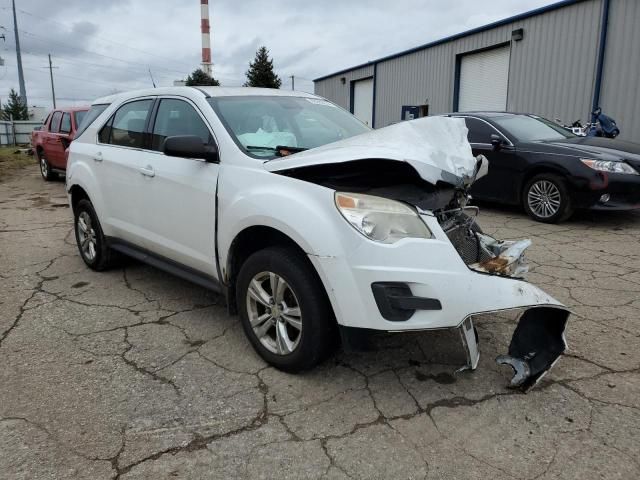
<point>363,100</point>
<point>483,80</point>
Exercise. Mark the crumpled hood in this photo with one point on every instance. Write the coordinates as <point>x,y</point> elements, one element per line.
<point>436,147</point>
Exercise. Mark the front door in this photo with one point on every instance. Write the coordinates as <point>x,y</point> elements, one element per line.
<point>178,197</point>
<point>499,184</point>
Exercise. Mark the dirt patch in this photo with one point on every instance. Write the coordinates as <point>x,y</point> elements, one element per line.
<point>12,162</point>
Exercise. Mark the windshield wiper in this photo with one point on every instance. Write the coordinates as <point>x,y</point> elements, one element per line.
<point>278,149</point>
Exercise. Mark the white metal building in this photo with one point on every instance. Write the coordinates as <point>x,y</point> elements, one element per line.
<point>558,61</point>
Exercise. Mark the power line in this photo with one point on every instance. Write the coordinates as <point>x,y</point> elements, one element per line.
<point>83,80</point>
<point>96,65</point>
<point>90,52</point>
<point>103,39</point>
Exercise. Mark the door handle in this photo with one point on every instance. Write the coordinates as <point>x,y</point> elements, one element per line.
<point>97,157</point>
<point>147,171</point>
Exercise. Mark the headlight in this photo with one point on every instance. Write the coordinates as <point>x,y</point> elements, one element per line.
<point>381,219</point>
<point>609,166</point>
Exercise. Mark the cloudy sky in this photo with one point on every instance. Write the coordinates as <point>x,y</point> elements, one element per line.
<point>100,47</point>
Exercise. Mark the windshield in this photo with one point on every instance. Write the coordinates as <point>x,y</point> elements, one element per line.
<point>530,128</point>
<point>262,125</point>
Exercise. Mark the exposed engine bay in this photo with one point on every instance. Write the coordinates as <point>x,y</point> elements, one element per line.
<point>538,341</point>
<point>428,164</point>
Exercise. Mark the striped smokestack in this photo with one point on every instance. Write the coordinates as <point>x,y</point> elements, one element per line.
<point>206,41</point>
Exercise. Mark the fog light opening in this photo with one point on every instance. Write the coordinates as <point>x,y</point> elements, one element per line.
<point>605,198</point>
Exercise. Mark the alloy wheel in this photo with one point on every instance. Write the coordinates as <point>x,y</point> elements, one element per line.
<point>86,236</point>
<point>544,198</point>
<point>44,166</point>
<point>274,313</point>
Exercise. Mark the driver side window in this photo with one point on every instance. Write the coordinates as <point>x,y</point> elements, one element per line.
<point>479,131</point>
<point>177,117</point>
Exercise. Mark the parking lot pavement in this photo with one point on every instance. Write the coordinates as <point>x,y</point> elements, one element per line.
<point>132,373</point>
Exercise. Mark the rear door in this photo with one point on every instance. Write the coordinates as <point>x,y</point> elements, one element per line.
<point>51,141</point>
<point>118,159</point>
<point>500,183</point>
<point>59,142</point>
<point>178,194</point>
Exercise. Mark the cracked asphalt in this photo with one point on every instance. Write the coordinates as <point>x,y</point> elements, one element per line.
<point>132,373</point>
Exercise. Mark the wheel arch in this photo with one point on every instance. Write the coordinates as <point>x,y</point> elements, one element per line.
<point>77,193</point>
<point>248,241</point>
<point>537,170</point>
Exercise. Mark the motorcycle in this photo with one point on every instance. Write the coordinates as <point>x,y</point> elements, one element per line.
<point>604,126</point>
<point>576,127</point>
<point>601,126</point>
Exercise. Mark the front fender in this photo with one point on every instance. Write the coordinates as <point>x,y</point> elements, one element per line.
<point>303,211</point>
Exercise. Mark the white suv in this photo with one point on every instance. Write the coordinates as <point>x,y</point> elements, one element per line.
<point>304,218</point>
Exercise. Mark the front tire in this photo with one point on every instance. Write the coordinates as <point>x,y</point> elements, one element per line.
<point>90,239</point>
<point>546,198</point>
<point>45,167</point>
<point>284,310</point>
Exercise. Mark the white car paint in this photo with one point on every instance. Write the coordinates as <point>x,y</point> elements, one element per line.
<point>172,212</point>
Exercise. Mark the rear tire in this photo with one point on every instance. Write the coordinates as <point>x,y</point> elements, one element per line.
<point>293,328</point>
<point>90,239</point>
<point>546,198</point>
<point>45,167</point>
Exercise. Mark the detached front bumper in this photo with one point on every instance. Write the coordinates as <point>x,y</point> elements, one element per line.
<point>425,285</point>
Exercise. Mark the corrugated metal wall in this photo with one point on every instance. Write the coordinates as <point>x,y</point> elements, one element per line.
<point>620,96</point>
<point>552,69</point>
<point>333,88</point>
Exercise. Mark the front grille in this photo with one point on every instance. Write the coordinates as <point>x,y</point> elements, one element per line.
<point>462,231</point>
<point>466,242</point>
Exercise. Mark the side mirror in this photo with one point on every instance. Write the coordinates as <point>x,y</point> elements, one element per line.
<point>496,141</point>
<point>190,146</point>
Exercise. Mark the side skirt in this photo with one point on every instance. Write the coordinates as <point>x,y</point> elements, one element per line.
<point>165,264</point>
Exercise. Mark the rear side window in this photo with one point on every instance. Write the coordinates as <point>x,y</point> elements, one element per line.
<point>177,117</point>
<point>65,126</point>
<point>54,126</point>
<point>126,127</point>
<point>88,117</point>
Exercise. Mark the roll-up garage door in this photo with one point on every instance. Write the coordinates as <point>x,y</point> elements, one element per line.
<point>483,80</point>
<point>363,100</point>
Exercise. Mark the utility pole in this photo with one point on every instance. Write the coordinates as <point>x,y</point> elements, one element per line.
<point>293,81</point>
<point>53,90</point>
<point>23,90</point>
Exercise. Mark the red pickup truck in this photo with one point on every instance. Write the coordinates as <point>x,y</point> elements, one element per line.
<point>50,142</point>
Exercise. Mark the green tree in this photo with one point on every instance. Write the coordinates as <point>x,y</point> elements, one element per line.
<point>200,78</point>
<point>260,73</point>
<point>15,108</point>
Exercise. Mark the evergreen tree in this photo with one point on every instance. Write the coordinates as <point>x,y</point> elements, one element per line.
<point>15,108</point>
<point>260,73</point>
<point>200,78</point>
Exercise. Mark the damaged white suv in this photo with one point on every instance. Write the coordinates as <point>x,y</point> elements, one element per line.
<point>304,219</point>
